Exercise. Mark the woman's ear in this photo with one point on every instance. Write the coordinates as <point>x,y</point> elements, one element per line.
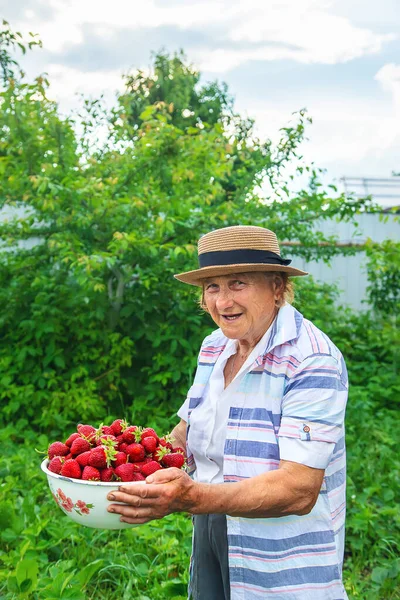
<point>202,302</point>
<point>278,287</point>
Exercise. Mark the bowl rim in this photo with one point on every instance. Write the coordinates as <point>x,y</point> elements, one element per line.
<point>105,484</point>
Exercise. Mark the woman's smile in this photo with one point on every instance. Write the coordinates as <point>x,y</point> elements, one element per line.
<point>231,318</point>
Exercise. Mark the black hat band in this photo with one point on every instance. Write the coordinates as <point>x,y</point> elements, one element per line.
<point>241,256</point>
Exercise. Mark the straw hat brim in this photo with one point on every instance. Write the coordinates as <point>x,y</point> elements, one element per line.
<point>195,277</point>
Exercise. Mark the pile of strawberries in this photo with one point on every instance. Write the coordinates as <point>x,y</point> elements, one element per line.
<point>119,452</point>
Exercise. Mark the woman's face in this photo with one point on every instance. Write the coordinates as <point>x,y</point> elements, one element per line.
<point>242,305</point>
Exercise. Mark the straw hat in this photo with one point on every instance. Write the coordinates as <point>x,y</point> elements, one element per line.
<point>237,249</point>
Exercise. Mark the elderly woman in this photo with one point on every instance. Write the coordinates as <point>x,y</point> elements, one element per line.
<point>263,424</point>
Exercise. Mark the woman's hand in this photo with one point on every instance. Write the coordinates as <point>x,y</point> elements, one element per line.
<point>164,492</point>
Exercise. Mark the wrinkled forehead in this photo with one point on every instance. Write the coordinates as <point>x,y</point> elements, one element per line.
<point>249,276</point>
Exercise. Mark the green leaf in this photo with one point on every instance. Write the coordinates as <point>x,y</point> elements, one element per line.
<point>12,584</point>
<point>379,574</point>
<point>26,574</point>
<point>25,585</point>
<point>147,113</point>
<point>86,574</point>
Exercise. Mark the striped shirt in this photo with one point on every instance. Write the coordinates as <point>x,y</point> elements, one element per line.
<point>209,421</point>
<point>289,405</point>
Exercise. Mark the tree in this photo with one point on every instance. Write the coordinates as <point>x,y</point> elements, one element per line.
<point>94,321</point>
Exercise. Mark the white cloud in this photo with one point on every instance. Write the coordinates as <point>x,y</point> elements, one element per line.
<point>65,28</point>
<point>389,78</point>
<point>348,136</point>
<point>66,84</point>
<point>320,36</point>
<point>303,30</point>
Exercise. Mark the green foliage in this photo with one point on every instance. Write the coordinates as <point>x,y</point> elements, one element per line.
<point>373,519</point>
<point>175,83</point>
<point>10,41</point>
<point>384,277</point>
<point>93,324</point>
<point>93,320</point>
<point>45,556</point>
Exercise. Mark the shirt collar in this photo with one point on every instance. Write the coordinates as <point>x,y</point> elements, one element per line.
<point>286,327</point>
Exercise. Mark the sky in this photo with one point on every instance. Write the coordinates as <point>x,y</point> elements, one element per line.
<point>340,59</point>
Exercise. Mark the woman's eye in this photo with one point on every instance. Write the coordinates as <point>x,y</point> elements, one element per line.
<point>211,287</point>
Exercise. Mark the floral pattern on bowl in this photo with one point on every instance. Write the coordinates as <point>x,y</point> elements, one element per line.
<point>66,504</point>
<point>91,512</point>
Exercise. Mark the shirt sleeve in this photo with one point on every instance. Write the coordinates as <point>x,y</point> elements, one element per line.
<point>313,409</point>
<point>184,411</point>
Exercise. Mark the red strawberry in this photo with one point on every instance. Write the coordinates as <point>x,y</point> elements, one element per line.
<point>68,456</point>
<point>106,430</point>
<point>135,452</point>
<point>138,466</point>
<point>71,468</point>
<point>71,438</point>
<point>86,430</point>
<point>149,443</point>
<point>107,474</point>
<point>98,457</point>
<point>83,459</point>
<point>149,432</point>
<point>125,472</point>
<point>55,464</point>
<point>80,445</point>
<point>150,468</point>
<point>57,449</point>
<point>106,439</point>
<point>159,453</point>
<point>91,474</point>
<point>174,459</point>
<point>138,477</point>
<point>118,426</point>
<point>120,459</point>
<point>166,442</point>
<point>122,447</point>
<point>178,449</point>
<point>131,434</point>
<point>101,453</point>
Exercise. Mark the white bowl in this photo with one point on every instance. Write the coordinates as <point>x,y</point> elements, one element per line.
<point>85,502</point>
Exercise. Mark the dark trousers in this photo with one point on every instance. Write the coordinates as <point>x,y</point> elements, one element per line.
<point>209,569</point>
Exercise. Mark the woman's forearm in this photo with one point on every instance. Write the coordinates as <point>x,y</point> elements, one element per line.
<point>179,435</point>
<point>292,489</point>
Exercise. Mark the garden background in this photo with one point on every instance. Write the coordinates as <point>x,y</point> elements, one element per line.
<point>94,327</point>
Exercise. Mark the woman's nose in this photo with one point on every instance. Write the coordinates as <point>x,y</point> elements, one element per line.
<point>224,299</point>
